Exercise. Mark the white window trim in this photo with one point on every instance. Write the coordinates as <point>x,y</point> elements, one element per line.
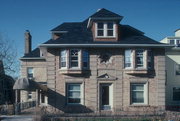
<point>105,30</point>
<point>146,91</point>
<point>81,95</point>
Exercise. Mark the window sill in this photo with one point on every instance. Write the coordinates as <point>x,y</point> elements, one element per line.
<point>136,71</point>
<point>109,37</point>
<point>72,71</point>
<point>139,105</point>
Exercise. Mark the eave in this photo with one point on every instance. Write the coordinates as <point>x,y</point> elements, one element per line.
<point>107,45</point>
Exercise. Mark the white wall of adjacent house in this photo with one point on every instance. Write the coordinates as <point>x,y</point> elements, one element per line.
<point>177,33</point>
<point>173,79</point>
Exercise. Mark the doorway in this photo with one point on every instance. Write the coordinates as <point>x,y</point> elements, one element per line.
<point>106,96</point>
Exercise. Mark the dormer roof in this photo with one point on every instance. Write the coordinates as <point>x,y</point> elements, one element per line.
<point>104,14</point>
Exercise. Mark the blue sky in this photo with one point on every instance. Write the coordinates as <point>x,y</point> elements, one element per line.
<point>157,18</point>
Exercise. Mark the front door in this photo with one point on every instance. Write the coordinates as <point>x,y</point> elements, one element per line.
<point>106,96</point>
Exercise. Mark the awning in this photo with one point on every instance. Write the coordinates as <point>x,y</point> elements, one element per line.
<point>28,84</point>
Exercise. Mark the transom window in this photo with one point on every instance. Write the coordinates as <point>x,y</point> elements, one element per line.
<point>30,73</point>
<point>176,93</point>
<point>74,94</point>
<point>105,29</point>
<point>138,93</point>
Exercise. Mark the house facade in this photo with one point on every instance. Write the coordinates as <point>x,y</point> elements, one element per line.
<point>173,70</point>
<point>97,65</point>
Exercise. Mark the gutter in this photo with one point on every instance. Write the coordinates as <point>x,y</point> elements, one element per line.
<point>32,58</point>
<point>107,45</point>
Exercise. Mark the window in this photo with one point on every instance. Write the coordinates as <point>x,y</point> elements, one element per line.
<point>105,29</point>
<point>128,58</point>
<point>74,94</point>
<point>29,95</point>
<point>150,59</point>
<point>85,59</point>
<point>74,58</point>
<point>138,93</point>
<point>63,58</point>
<point>139,58</point>
<point>177,69</point>
<point>171,42</point>
<point>30,73</point>
<point>176,94</point>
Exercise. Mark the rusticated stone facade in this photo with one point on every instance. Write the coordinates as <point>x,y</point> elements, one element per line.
<point>56,82</point>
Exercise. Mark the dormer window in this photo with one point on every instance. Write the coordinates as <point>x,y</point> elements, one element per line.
<point>105,29</point>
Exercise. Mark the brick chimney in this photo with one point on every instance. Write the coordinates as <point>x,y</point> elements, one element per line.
<point>27,42</point>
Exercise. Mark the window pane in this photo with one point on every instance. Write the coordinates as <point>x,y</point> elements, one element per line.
<point>110,33</point>
<point>128,58</point>
<point>176,94</point>
<point>74,100</point>
<point>75,94</point>
<point>138,97</point>
<point>100,25</point>
<point>139,58</point>
<point>177,69</point>
<point>30,72</point>
<point>171,42</point>
<point>85,58</point>
<point>110,25</point>
<point>138,87</point>
<point>74,87</point>
<point>100,33</point>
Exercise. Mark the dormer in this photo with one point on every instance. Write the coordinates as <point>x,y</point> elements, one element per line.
<point>104,25</point>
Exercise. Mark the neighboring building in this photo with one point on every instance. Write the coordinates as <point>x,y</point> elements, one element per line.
<point>173,70</point>
<point>6,87</point>
<point>97,65</point>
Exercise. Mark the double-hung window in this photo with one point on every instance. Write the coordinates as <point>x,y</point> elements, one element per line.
<point>63,58</point>
<point>74,58</point>
<point>30,74</point>
<point>105,29</point>
<point>85,59</point>
<point>139,58</point>
<point>74,93</point>
<point>128,58</point>
<point>138,93</point>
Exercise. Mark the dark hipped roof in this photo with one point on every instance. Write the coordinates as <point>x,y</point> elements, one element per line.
<point>78,33</point>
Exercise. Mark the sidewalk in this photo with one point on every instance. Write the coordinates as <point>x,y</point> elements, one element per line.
<point>16,118</point>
